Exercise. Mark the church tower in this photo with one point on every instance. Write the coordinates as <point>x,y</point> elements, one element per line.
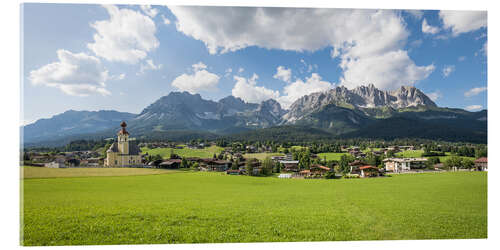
<point>123,146</point>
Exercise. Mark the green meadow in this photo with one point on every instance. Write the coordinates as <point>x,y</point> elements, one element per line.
<point>207,152</point>
<point>418,153</point>
<point>196,207</point>
<point>331,156</point>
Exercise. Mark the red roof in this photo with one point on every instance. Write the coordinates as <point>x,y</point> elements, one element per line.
<point>367,167</point>
<point>481,160</point>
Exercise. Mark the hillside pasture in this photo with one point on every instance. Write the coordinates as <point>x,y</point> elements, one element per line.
<point>42,172</point>
<point>207,152</point>
<point>331,156</point>
<point>418,153</point>
<point>261,156</point>
<point>204,207</point>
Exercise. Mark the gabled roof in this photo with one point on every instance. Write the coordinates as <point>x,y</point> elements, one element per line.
<point>481,160</point>
<point>113,148</point>
<point>367,167</point>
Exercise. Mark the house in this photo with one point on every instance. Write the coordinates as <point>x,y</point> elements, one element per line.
<point>317,169</point>
<point>398,165</point>
<point>219,165</point>
<point>234,172</point>
<point>355,166</point>
<point>57,163</point>
<point>481,164</point>
<point>369,171</point>
<point>290,166</point>
<point>171,164</point>
<point>123,153</point>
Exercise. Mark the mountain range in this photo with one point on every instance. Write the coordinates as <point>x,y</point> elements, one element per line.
<point>364,111</point>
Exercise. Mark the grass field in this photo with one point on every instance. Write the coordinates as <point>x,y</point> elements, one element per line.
<point>194,207</point>
<point>40,172</point>
<point>418,153</point>
<point>184,152</point>
<point>260,156</point>
<point>331,156</point>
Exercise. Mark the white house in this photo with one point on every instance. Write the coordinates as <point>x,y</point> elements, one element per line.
<point>403,164</point>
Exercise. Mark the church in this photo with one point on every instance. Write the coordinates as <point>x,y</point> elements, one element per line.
<point>123,153</point>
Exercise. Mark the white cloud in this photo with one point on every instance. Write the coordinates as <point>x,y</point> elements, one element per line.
<point>200,80</point>
<point>462,58</point>
<point>199,66</point>
<point>473,107</point>
<point>418,14</point>
<point>448,69</point>
<point>475,91</point>
<point>283,74</point>
<point>126,37</point>
<point>484,49</point>
<point>166,21</point>
<point>426,28</point>
<point>367,36</point>
<point>241,70</point>
<point>228,72</point>
<point>149,65</point>
<point>118,77</point>
<point>299,88</point>
<point>247,90</point>
<point>435,95</point>
<point>74,74</point>
<point>463,21</point>
<point>148,10</point>
<point>386,71</point>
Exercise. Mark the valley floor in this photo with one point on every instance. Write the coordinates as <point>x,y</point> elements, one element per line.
<point>195,207</point>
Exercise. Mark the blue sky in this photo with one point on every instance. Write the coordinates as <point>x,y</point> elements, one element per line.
<point>93,57</point>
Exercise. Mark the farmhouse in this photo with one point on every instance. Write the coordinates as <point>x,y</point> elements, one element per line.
<point>369,171</point>
<point>290,166</point>
<point>123,153</point>
<point>58,163</point>
<point>317,169</point>
<point>171,163</point>
<point>481,164</point>
<point>403,164</point>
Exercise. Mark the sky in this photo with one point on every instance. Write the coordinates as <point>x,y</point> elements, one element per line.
<point>125,57</point>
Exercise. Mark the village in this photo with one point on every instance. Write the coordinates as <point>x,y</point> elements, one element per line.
<point>291,162</point>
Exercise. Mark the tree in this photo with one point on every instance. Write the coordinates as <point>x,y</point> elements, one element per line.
<point>195,166</point>
<point>184,163</point>
<point>453,162</point>
<point>344,163</point>
<point>267,167</point>
<point>249,166</point>
<point>467,163</point>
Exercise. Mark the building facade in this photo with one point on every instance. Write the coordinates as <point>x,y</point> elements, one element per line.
<point>404,164</point>
<point>123,153</point>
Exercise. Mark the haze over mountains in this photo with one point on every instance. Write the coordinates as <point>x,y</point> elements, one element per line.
<point>361,112</point>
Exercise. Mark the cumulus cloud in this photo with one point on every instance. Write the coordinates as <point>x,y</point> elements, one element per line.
<point>241,70</point>
<point>473,107</point>
<point>463,21</point>
<point>435,95</point>
<point>148,10</point>
<point>426,28</point>
<point>118,77</point>
<point>368,35</point>
<point>418,14</point>
<point>475,91</point>
<point>74,74</point>
<point>448,69</point>
<point>200,80</point>
<point>462,58</point>
<point>149,65</point>
<point>248,90</point>
<point>127,36</point>
<point>386,71</point>
<point>228,72</point>
<point>299,88</point>
<point>166,21</point>
<point>283,74</point>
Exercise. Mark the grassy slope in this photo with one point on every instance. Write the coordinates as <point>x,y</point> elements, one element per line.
<point>39,172</point>
<point>184,152</point>
<point>331,156</point>
<point>418,153</point>
<point>260,156</point>
<point>213,207</point>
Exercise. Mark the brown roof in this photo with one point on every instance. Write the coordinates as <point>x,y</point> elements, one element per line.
<point>356,163</point>
<point>367,167</point>
<point>319,166</point>
<point>481,160</point>
<point>304,171</point>
<point>221,162</point>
